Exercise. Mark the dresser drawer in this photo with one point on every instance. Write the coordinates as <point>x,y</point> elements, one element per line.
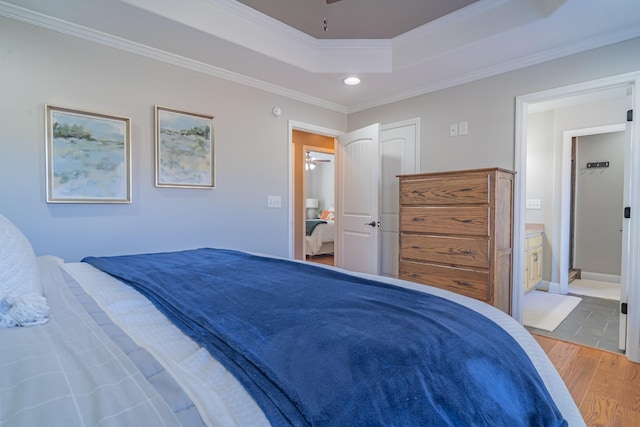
<point>459,251</point>
<point>471,283</point>
<point>445,190</point>
<point>459,220</point>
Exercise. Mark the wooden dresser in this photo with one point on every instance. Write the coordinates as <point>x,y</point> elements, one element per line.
<point>456,232</point>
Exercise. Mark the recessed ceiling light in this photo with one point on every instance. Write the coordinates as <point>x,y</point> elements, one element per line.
<point>351,81</point>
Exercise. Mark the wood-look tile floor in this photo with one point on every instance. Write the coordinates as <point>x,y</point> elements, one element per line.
<point>604,385</point>
<point>594,322</point>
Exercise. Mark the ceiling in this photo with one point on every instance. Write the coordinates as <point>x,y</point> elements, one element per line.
<point>356,19</point>
<point>459,41</point>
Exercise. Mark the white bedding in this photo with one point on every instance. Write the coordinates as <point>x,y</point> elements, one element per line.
<point>69,372</point>
<point>219,397</point>
<point>322,233</point>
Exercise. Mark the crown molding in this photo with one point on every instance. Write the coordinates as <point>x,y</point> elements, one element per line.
<point>622,34</point>
<point>376,53</point>
<point>241,25</point>
<point>81,32</point>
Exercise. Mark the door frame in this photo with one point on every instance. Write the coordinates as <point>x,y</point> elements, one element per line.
<point>631,80</point>
<point>305,127</point>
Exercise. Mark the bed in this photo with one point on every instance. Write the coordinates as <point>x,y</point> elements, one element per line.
<point>319,237</point>
<point>114,349</point>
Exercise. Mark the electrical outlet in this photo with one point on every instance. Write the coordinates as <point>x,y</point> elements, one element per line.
<point>453,129</point>
<point>274,201</point>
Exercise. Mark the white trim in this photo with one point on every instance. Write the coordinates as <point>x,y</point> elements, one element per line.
<point>98,37</point>
<point>313,55</point>
<point>600,277</point>
<point>519,193</point>
<point>554,287</point>
<point>503,67</point>
<point>633,267</point>
<point>522,103</point>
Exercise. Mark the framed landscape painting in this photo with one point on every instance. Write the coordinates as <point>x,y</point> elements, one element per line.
<point>184,149</point>
<point>88,157</point>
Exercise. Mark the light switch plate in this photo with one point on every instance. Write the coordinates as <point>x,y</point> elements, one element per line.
<point>274,201</point>
<point>534,204</point>
<point>453,129</point>
<point>463,128</point>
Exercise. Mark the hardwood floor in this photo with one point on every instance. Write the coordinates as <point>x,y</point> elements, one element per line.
<point>321,259</point>
<point>604,385</point>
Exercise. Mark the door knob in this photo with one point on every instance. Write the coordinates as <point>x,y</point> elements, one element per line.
<point>372,224</point>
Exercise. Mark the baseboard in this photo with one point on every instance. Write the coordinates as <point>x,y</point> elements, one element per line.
<point>553,287</point>
<point>611,278</point>
<point>545,286</point>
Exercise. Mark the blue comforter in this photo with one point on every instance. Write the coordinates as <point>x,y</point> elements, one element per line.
<point>319,347</point>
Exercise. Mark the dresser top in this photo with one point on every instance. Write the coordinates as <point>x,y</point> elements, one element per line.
<point>456,172</point>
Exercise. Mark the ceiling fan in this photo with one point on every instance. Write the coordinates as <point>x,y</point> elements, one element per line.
<point>311,162</point>
<point>324,21</point>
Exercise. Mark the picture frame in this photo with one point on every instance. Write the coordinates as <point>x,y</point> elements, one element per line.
<point>88,156</point>
<point>184,148</point>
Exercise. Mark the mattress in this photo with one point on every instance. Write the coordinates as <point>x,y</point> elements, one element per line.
<point>220,399</point>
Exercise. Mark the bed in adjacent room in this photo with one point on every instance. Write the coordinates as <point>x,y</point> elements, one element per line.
<point>319,237</point>
<point>221,337</point>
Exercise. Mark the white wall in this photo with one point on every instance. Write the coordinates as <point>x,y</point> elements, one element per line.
<point>540,168</point>
<point>320,184</point>
<point>39,67</point>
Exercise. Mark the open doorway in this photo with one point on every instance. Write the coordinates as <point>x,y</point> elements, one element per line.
<point>308,183</point>
<point>319,184</point>
<point>552,208</point>
<point>596,208</point>
<point>595,240</point>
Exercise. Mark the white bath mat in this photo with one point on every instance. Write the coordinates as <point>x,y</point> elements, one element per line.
<point>545,310</point>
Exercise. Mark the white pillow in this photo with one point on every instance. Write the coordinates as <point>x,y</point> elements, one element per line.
<point>19,273</point>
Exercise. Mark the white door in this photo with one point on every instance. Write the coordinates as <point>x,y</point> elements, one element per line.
<point>400,154</point>
<point>626,240</point>
<point>357,201</point>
